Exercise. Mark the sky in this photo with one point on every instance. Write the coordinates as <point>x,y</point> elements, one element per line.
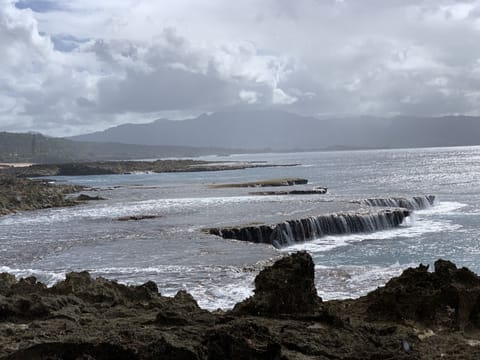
<point>74,66</point>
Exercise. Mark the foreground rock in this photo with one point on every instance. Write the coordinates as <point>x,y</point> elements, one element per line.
<point>287,287</point>
<point>23,194</point>
<point>419,315</point>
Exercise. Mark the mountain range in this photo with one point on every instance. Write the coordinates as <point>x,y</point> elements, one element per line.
<point>282,131</point>
<point>242,131</point>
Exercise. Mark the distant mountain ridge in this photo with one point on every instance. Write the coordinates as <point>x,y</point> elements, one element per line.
<point>282,131</point>
<point>37,148</point>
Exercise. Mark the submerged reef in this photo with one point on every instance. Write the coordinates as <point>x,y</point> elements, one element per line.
<point>418,315</point>
<point>378,214</point>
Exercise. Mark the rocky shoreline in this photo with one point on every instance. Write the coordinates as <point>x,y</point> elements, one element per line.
<point>24,194</point>
<point>128,167</point>
<point>418,315</point>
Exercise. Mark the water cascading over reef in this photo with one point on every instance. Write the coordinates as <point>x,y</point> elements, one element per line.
<point>369,220</point>
<point>313,227</point>
<point>412,203</point>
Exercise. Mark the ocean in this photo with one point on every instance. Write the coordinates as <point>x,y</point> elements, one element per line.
<point>174,250</point>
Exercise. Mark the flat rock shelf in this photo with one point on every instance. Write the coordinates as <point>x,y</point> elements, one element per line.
<point>379,214</point>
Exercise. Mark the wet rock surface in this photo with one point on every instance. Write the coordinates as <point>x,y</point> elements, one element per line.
<point>85,197</point>
<point>263,183</point>
<point>314,227</point>
<point>419,315</point>
<point>138,217</point>
<point>316,191</point>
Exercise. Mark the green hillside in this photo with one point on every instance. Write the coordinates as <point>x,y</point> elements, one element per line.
<point>41,149</point>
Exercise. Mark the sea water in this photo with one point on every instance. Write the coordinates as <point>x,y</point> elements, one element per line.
<point>175,252</point>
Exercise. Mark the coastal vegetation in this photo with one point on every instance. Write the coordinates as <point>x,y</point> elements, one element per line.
<point>37,148</point>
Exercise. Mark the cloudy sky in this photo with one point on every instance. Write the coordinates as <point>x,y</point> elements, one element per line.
<point>73,66</point>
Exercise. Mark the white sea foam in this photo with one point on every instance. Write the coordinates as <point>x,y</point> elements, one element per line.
<point>160,206</point>
<point>328,243</point>
<point>214,287</point>
<point>418,224</point>
<point>351,281</point>
<point>444,208</point>
<point>47,277</point>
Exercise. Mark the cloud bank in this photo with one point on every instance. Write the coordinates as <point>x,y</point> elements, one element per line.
<point>73,66</point>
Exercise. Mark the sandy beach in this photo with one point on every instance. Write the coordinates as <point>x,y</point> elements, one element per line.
<point>7,165</point>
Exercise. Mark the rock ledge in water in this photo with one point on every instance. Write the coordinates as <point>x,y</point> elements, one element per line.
<point>263,183</point>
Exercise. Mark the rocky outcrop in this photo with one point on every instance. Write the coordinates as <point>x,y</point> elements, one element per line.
<point>287,287</point>
<point>419,315</point>
<point>263,183</point>
<point>291,231</point>
<point>448,297</point>
<point>23,194</point>
<point>316,191</point>
<point>85,197</point>
<point>138,217</point>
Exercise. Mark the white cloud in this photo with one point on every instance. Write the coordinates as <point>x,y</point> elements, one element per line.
<point>282,98</point>
<point>250,97</point>
<point>124,60</point>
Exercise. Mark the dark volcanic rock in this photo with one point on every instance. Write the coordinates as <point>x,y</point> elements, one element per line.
<point>263,183</point>
<point>243,340</point>
<point>138,217</point>
<point>85,197</point>
<point>86,318</point>
<point>448,297</point>
<point>316,191</point>
<point>287,287</point>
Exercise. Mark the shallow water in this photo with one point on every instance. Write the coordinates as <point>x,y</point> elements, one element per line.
<point>173,251</point>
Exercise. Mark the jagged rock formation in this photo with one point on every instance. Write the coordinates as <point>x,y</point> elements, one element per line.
<point>419,315</point>
<point>291,231</point>
<point>447,297</point>
<point>295,293</point>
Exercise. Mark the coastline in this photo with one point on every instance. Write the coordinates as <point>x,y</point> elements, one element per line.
<point>420,314</point>
<point>127,167</point>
